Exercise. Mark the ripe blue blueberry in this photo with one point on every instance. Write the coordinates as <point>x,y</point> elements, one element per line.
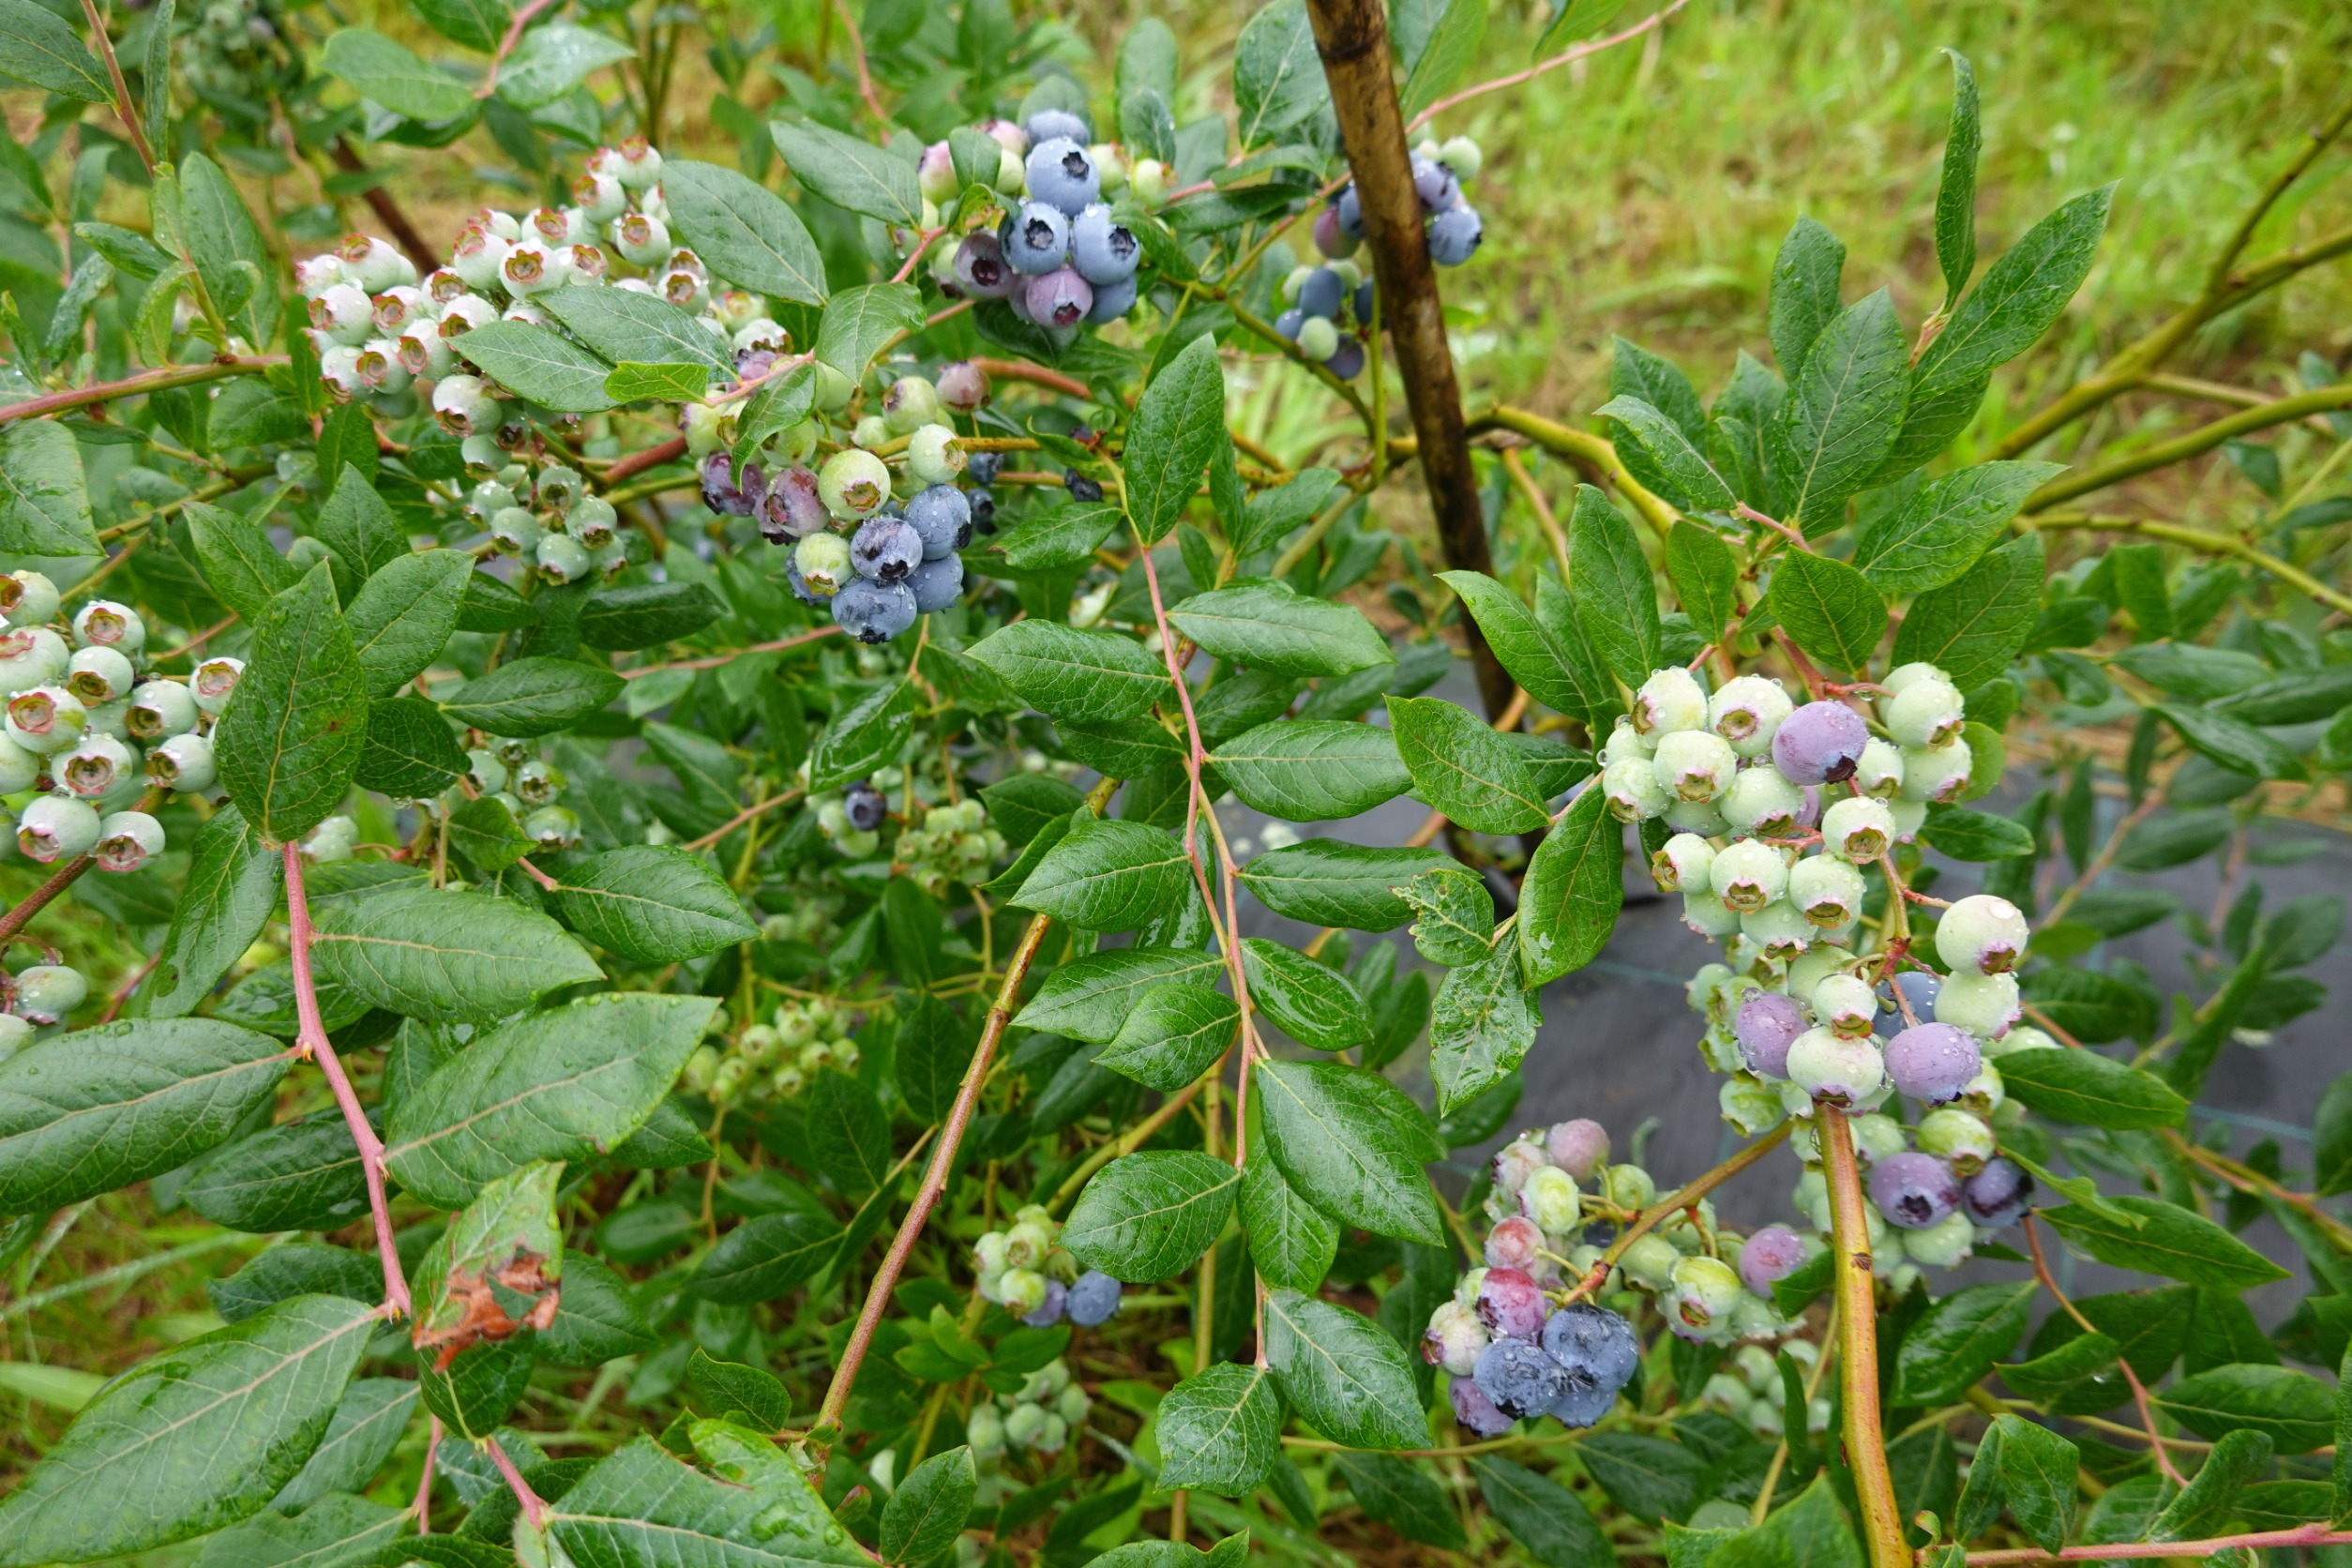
<point>1998,1195</point>
<point>1768,1023</point>
<point>1350,207</point>
<point>1050,1312</point>
<point>982,467</point>
<point>865,805</point>
<point>1103,249</point>
<point>1060,298</point>
<point>1597,1351</point>
<point>873,611</point>
<point>1932,1062</point>
<point>1036,239</point>
<point>1080,487</point>
<point>1919,989</point>
<point>1435,183</point>
<point>1290,322</point>
<point>1473,1412</point>
<point>1454,235</point>
<point>943,519</point>
<point>1913,1190</point>
<point>1112,301</point>
<point>1819,743</point>
<point>981,269</point>
<point>937,584</point>
<point>1364,303</point>
<point>983,510</point>
<point>1346,360</point>
<point>1094,1299</point>
<point>885,548</point>
<point>1320,294</point>
<point>1519,1378</point>
<point>1062,173</point>
<point>1772,1254</point>
<point>1047,124</point>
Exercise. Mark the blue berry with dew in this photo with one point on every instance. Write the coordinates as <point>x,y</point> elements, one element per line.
<point>1913,1190</point>
<point>1094,1299</point>
<point>1595,1342</point>
<point>872,611</point>
<point>1062,174</point>
<point>1103,249</point>
<point>1035,240</point>
<point>1454,234</point>
<point>1909,998</point>
<point>1519,1378</point>
<point>941,518</point>
<point>885,548</point>
<point>1819,743</point>
<point>865,807</point>
<point>1112,300</point>
<point>1933,1063</point>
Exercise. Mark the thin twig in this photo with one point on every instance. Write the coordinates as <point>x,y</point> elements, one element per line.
<point>1580,51</point>
<point>534,1506</point>
<point>864,77</point>
<point>2139,1393</point>
<point>715,660</point>
<point>425,1481</point>
<point>746,814</point>
<point>506,44</point>
<point>143,382</point>
<point>2201,540</point>
<point>125,110</point>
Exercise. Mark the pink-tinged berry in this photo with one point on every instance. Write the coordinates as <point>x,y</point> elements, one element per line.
<point>1579,1147</point>
<point>1514,1242</point>
<point>1998,1195</point>
<point>1819,743</point>
<point>1767,1024</point>
<point>1515,1162</point>
<point>1453,1338</point>
<point>1981,933</point>
<point>1511,1304</point>
<point>1932,1062</point>
<point>1473,1412</point>
<point>1772,1254</point>
<point>1913,1190</point>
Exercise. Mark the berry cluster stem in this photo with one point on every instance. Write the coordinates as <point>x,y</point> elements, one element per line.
<point>1857,1346</point>
<point>311,1039</point>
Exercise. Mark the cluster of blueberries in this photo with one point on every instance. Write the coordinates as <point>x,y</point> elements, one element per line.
<point>1329,310</point>
<point>1026,1271</point>
<point>1750,781</point>
<point>1059,258</point>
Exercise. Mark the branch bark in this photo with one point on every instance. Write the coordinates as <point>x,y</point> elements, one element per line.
<point>140,384</point>
<point>1858,1347</point>
<point>1352,36</point>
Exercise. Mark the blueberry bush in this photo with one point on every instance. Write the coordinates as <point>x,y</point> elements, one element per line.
<point>672,760</point>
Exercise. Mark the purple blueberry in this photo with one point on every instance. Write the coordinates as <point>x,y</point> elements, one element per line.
<point>937,584</point>
<point>1080,487</point>
<point>1350,207</point>
<point>1511,1304</point>
<point>1094,1299</point>
<point>1329,238</point>
<point>1036,238</point>
<point>719,491</point>
<point>1112,301</point>
<point>885,548</point>
<point>1998,1195</point>
<point>1519,1378</point>
<point>1773,1252</point>
<point>1103,249</point>
<point>866,805</point>
<point>943,519</point>
<point>1346,360</point>
<point>1913,1190</point>
<point>1435,183</point>
<point>982,468</point>
<point>1050,1312</point>
<point>1475,1413</point>
<point>1364,302</point>
<point>1289,322</point>
<point>1819,743</point>
<point>792,508</point>
<point>1919,989</point>
<point>981,269</point>
<point>1766,1025</point>
<point>1455,236</point>
<point>983,503</point>
<point>962,386</point>
<point>873,611</point>
<point>1514,1242</point>
<point>1932,1062</point>
<point>1060,298</point>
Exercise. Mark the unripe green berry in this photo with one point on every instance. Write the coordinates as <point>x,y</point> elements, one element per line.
<point>853,485</point>
<point>47,993</point>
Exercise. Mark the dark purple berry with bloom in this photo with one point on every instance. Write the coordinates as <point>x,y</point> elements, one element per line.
<point>1932,1062</point>
<point>1364,302</point>
<point>1819,743</point>
<point>1475,1412</point>
<point>1112,301</point>
<point>866,805</point>
<point>981,269</point>
<point>1346,360</point>
<point>794,508</point>
<point>982,468</point>
<point>1321,292</point>
<point>1767,1024</point>
<point>873,611</point>
<point>751,364</point>
<point>1913,1190</point>
<point>1511,1304</point>
<point>983,510</point>
<point>1772,1254</point>
<point>1435,183</point>
<point>1998,1195</point>
<point>1519,1378</point>
<point>1080,487</point>
<point>885,548</point>
<point>1330,238</point>
<point>719,490</point>
<point>1094,1299</point>
<point>1050,1313</point>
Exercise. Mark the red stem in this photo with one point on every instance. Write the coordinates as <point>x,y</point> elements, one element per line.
<point>1516,78</point>
<point>311,1039</point>
<point>425,1486</point>
<point>534,1505</point>
<point>36,901</point>
<point>1022,369</point>
<point>144,381</point>
<point>2313,1535</point>
<point>635,463</point>
<point>524,19</point>
<point>864,78</point>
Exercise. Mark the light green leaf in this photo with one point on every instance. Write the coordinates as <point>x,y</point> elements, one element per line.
<point>1805,294</point>
<point>1526,649</point>
<point>643,1506</point>
<point>656,904</point>
<point>1842,414</point>
<point>1616,599</point>
<point>1149,1216</point>
<point>366,1428</point>
<point>1660,455</point>
<point>2084,1087</point>
<point>405,614</point>
<point>2038,1479</point>
<point>232,888</point>
<point>1325,882</point>
<point>1090,997</point>
<point>293,733</point>
<point>1277,76</point>
<point>1827,609</point>
<point>2294,1409</point>
<point>1463,768</point>
<point>1308,770</point>
<point>872,734</point>
<point>44,52</point>
<point>539,365</point>
<point>859,322</point>
<point>1220,1430</point>
<point>1345,1376</point>
<point>536,696</point>
<point>1456,914</point>
<point>1089,677</point>
<point>742,231</point>
<point>1314,1004</point>
<point>241,567</point>
<point>1573,892</point>
<point>1956,193</point>
<point>393,76</point>
<point>1451,49</point>
<point>850,173</point>
<point>2168,1241</point>
<point>623,325</point>
<point>1972,627</point>
<point>44,500</point>
<point>1292,1242</point>
<point>1481,1025</point>
<point>1269,626</point>
<point>2020,296</point>
<point>433,953</point>
<point>927,1512</point>
<point>508,1240</point>
<point>634,381</point>
<point>552,59</point>
<point>1946,526</point>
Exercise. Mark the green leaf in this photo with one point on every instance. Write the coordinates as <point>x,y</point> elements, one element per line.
<point>44,500</point>
<point>1451,49</point>
<point>2331,1134</point>
<point>1108,875</point>
<point>565,1084</point>
<point>1972,627</point>
<point>1550,1523</point>
<point>1967,834</point>
<point>748,1395</point>
<point>1957,1342</point>
<point>1659,454</point>
<point>439,954</point>
<point>624,327</point>
<point>192,1441</point>
<point>654,904</point>
<point>2083,1368</point>
<point>1481,1025</point>
<point>1090,997</point>
<point>1635,373</point>
<point>643,1506</point>
<point>597,1318</point>
<point>1060,534</point>
<point>478,24</point>
<point>859,322</point>
<point>742,231</point>
<point>240,566</point>
<point>1827,609</point>
<point>1706,579</point>
<point>485,831</point>
<point>405,614</point>
<point>1648,1477</point>
<point>2036,1474</point>
<point>1089,677</point>
<point>1306,770</point>
<point>1463,768</point>
<point>2020,296</point>
<point>552,59</point>
<point>2091,1090</point>
<point>1220,1430</point>
<point>1269,626</point>
<point>1313,1004</point>
<point>1342,1373</point>
<point>1573,892</point>
<point>1616,599</point>
<point>850,173</point>
<point>646,614</point>
<point>232,888</point>
<point>1945,525</point>
<point>635,382</point>
<point>1292,1243</point>
<point>2205,1505</point>
<point>1177,1032</point>
<point>1525,648</point>
<point>299,1175</point>
<point>2169,1240</point>
<point>1841,414</point>
<point>1956,193</point>
<point>1810,1532</point>
<point>1354,1143</point>
<point>1456,914</point>
<point>1178,421</point>
<point>1325,882</point>
<point>1149,1216</point>
<point>764,1257</point>
<point>490,605</point>
<point>873,733</point>
<point>44,52</point>
<point>927,1512</point>
<point>2230,742</point>
<point>536,696</point>
<point>359,530</point>
<point>366,1428</point>
<point>2294,1409</point>
<point>1805,294</point>
<point>393,76</point>
<point>101,1108</point>
<point>1560,613</point>
<point>1277,76</point>
<point>539,365</point>
<point>1396,1494</point>
<point>230,254</point>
